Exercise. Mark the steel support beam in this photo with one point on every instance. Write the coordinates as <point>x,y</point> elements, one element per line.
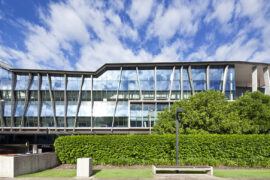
<point>13,98</point>
<point>190,80</point>
<point>39,100</point>
<point>171,83</point>
<point>225,78</point>
<point>117,93</point>
<point>254,79</point>
<point>207,78</point>
<point>78,103</point>
<point>181,83</point>
<point>139,83</point>
<point>266,80</point>
<point>26,101</point>
<point>52,100</point>
<point>65,101</point>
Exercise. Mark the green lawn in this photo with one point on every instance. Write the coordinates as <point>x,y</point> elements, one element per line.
<point>124,173</point>
<point>242,173</point>
<point>52,173</point>
<point>105,173</point>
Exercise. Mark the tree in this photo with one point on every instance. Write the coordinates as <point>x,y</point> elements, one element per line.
<point>254,112</point>
<point>206,112</point>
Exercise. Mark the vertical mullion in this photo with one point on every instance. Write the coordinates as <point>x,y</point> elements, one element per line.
<point>2,113</point>
<point>65,102</point>
<point>117,93</point>
<point>39,100</point>
<point>26,101</point>
<point>92,102</point>
<point>13,98</point>
<point>78,103</point>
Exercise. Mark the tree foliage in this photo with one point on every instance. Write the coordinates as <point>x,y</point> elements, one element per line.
<point>210,112</point>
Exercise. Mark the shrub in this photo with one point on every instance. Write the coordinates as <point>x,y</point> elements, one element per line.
<point>233,150</point>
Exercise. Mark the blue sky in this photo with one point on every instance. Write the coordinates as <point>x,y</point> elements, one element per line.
<point>85,34</point>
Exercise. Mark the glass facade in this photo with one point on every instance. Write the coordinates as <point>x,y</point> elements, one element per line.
<point>115,98</point>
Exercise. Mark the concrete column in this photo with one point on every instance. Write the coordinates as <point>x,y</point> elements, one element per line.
<point>65,101</point>
<point>13,98</point>
<point>92,101</point>
<point>39,100</point>
<point>26,101</point>
<point>52,100</point>
<point>171,83</point>
<point>78,104</point>
<point>254,79</point>
<point>266,80</point>
<point>155,78</point>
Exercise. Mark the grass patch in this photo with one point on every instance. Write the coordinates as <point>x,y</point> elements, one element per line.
<point>124,173</point>
<point>242,173</point>
<point>51,173</point>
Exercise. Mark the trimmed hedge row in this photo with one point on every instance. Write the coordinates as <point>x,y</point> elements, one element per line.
<point>228,150</point>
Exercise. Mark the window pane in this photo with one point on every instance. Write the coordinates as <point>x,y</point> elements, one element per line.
<point>19,108</point>
<point>32,109</point>
<point>87,84</point>
<point>5,79</point>
<point>44,83</point>
<point>103,108</point>
<point>73,83</point>
<point>21,82</point>
<point>58,82</point>
<point>186,83</point>
<point>71,108</point>
<point>46,109</point>
<point>85,108</point>
<point>122,109</point>
<point>199,78</point>
<point>7,108</point>
<point>59,108</point>
<point>215,78</point>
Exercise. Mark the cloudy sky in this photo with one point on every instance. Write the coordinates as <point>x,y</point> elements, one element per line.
<point>85,34</point>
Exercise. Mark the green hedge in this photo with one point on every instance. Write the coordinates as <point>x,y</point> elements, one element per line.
<point>228,150</point>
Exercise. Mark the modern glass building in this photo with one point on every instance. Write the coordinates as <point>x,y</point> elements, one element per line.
<point>115,99</point>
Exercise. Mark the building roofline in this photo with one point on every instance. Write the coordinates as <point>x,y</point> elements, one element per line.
<point>108,66</point>
<point>5,65</point>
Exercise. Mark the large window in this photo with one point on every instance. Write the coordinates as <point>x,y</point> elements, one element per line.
<point>21,82</point>
<point>216,77</point>
<point>109,80</point>
<point>199,78</point>
<point>5,79</point>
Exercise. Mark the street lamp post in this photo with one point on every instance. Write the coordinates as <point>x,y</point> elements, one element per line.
<point>178,111</point>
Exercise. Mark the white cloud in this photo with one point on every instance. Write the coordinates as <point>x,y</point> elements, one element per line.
<point>140,11</point>
<point>223,11</point>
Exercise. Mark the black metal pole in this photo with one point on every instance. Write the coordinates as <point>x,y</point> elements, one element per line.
<point>177,141</point>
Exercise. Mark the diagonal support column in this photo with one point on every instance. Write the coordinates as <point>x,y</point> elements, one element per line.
<point>26,101</point>
<point>190,80</point>
<point>78,104</point>
<point>171,83</point>
<point>266,80</point>
<point>52,100</point>
<point>117,93</point>
<point>155,78</point>
<point>254,79</point>
<point>225,78</point>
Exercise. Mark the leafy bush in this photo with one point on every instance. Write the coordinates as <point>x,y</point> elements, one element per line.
<point>208,112</point>
<point>232,150</point>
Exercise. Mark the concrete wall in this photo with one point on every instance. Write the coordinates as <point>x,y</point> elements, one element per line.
<point>11,166</point>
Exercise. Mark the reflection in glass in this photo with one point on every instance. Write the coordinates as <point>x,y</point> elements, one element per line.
<point>109,80</point>
<point>59,108</point>
<point>7,108</point>
<point>5,79</point>
<point>85,108</point>
<point>21,82</point>
<point>71,108</point>
<point>19,108</point>
<point>122,109</point>
<point>86,84</point>
<point>216,77</point>
<point>44,83</point>
<point>46,109</point>
<point>58,82</point>
<point>186,83</point>
<point>32,109</point>
<point>34,84</point>
<point>101,108</point>
<point>199,78</point>
<point>74,83</point>
<point>136,115</point>
<point>129,80</point>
